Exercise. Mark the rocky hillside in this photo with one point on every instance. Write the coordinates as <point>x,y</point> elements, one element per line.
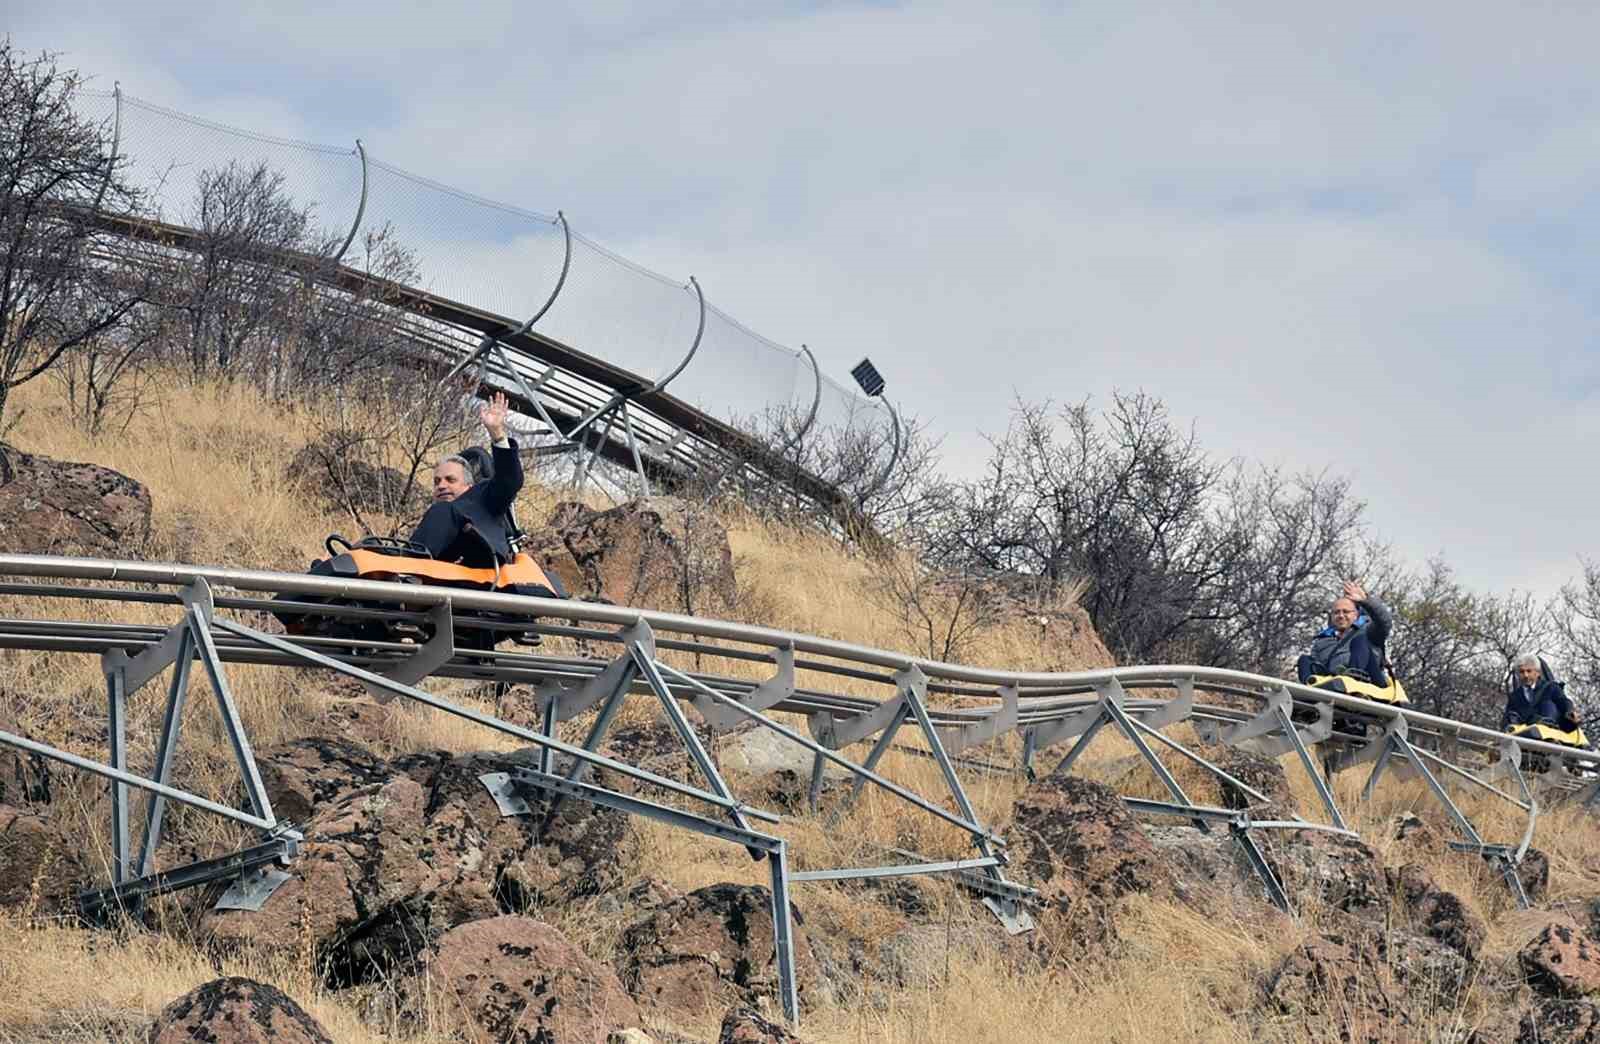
<point>417,912</point>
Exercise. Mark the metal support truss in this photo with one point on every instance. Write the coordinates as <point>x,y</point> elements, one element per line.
<point>616,407</point>
<point>1239,826</point>
<point>438,703</point>
<point>133,878</point>
<point>912,685</point>
<point>1047,708</point>
<point>642,648</point>
<point>1112,711</point>
<point>770,693</point>
<point>279,849</point>
<point>508,790</point>
<point>1396,744</point>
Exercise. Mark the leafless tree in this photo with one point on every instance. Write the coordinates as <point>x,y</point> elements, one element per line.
<point>1286,535</point>
<point>106,378</point>
<point>1122,499</point>
<point>56,171</point>
<point>941,614</point>
<point>236,287</point>
<point>376,440</point>
<point>855,481</point>
<point>1575,619</point>
<point>338,336</point>
<point>1438,647</point>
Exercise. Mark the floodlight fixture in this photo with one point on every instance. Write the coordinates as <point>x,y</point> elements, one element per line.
<point>868,377</point>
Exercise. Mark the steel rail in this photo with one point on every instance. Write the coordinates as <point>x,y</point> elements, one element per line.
<point>423,596</point>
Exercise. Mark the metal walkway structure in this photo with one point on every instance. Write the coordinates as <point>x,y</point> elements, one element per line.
<point>848,694</point>
<point>616,361</point>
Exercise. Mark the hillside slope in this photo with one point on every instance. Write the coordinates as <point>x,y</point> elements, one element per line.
<point>1176,955</point>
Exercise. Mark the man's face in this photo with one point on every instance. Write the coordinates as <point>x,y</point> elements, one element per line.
<point>1343,614</point>
<point>1529,673</point>
<point>449,481</point>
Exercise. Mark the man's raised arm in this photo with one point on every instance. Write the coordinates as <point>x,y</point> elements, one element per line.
<point>506,483</point>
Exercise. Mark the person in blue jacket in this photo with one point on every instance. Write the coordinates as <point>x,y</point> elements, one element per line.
<point>1536,697</point>
<point>1352,643</point>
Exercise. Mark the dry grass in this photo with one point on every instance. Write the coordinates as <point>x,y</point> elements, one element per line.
<point>216,461</point>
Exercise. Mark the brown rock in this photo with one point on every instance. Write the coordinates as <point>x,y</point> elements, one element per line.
<point>236,1011</point>
<point>1071,828</point>
<point>648,552</point>
<point>583,852</point>
<point>356,716</point>
<point>712,948</point>
<point>1534,872</point>
<point>305,775</point>
<point>1207,866</point>
<point>1253,770</point>
<point>54,507</point>
<point>1563,961</point>
<point>24,777</point>
<point>1076,842</point>
<point>332,470</point>
<point>646,893</point>
<point>1560,1022</point>
<point>1437,914</point>
<point>657,747</point>
<point>358,892</point>
<point>1329,869</point>
<point>387,869</point>
<point>745,1026</point>
<point>1366,985</point>
<point>38,863</point>
<point>517,980</point>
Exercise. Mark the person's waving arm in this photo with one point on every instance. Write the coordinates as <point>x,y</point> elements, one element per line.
<point>503,487</point>
<point>1381,619</point>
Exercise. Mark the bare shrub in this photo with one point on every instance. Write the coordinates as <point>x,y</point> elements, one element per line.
<point>375,441</point>
<point>56,169</point>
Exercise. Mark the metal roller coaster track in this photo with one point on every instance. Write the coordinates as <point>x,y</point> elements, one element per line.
<point>848,694</point>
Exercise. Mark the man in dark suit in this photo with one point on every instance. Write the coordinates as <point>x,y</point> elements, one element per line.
<point>466,522</point>
<point>1535,696</point>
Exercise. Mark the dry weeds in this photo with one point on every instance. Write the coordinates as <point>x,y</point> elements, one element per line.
<point>216,460</point>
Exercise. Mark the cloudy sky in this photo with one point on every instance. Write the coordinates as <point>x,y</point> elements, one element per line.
<point>1362,239</point>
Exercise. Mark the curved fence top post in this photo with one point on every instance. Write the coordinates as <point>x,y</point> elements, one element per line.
<point>561,280</point>
<point>894,456</point>
<point>793,440</point>
<point>695,347</point>
<point>492,340</point>
<point>816,400</point>
<point>361,207</point>
<point>116,144</point>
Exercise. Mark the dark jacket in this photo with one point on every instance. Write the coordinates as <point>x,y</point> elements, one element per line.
<point>472,529</point>
<point>1358,652</point>
<point>1546,701</point>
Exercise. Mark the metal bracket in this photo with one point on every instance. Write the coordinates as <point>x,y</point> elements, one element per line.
<point>1049,733</point>
<point>429,657</point>
<point>507,798</point>
<point>838,733</point>
<point>1172,711</point>
<point>572,700</point>
<point>278,850</point>
<point>768,694</point>
<point>1265,733</point>
<point>252,890</point>
<point>958,738</point>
